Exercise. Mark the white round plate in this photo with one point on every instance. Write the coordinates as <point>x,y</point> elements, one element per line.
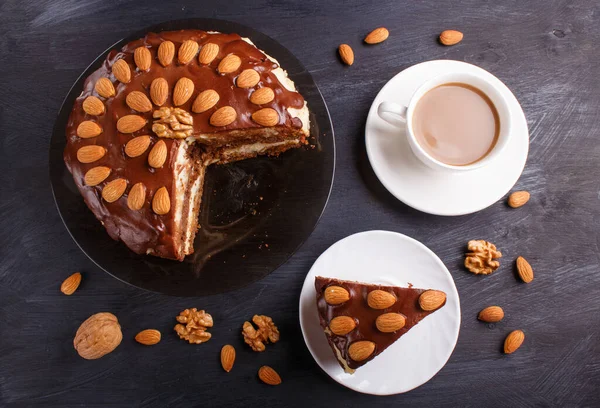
<point>387,258</point>
<point>432,191</point>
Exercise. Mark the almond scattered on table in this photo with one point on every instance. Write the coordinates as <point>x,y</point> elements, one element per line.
<point>70,285</point>
<point>269,376</point>
<point>148,337</point>
<point>491,314</point>
<point>227,357</point>
<point>378,35</point>
<point>513,341</point>
<point>346,54</point>
<point>524,269</point>
<point>451,37</point>
<point>518,199</point>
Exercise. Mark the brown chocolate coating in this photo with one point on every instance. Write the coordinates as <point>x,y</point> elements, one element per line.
<point>144,230</point>
<point>407,304</point>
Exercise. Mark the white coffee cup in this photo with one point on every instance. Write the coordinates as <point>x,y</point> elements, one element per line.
<point>401,116</point>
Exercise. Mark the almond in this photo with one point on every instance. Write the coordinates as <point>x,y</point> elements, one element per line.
<point>432,299</point>
<point>138,101</point>
<point>93,106</point>
<point>269,376</point>
<point>130,123</point>
<point>335,295</point>
<point>247,78</point>
<point>187,51</point>
<point>121,71</point>
<point>229,64</point>
<point>142,58</point>
<point>137,146</point>
<point>105,88</point>
<point>205,100</point>
<point>87,129</point>
<point>184,88</point>
<point>159,91</point>
<point>262,96</point>
<point>166,53</point>
<point>378,35</point>
<point>161,203</point>
<point>380,299</point>
<point>518,199</point>
<point>342,325</point>
<point>513,341</point>
<point>113,190</point>
<point>451,37</point>
<point>346,54</point>
<point>390,322</point>
<point>70,285</point>
<point>524,269</point>
<point>227,357</point>
<point>223,116</point>
<point>266,117</point>
<point>96,175</point>
<point>89,154</point>
<point>136,197</point>
<point>361,350</point>
<point>491,314</point>
<point>208,53</point>
<point>158,154</point>
<point>148,337</point>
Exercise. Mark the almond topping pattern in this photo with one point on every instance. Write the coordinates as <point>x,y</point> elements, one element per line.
<point>159,91</point>
<point>93,106</point>
<point>89,154</point>
<point>491,314</point>
<point>70,285</point>
<point>342,325</point>
<point>205,100</point>
<point>130,123</point>
<point>105,88</point>
<point>346,54</point>
<point>142,58</point>
<point>229,64</point>
<point>148,337</point>
<point>451,37</point>
<point>518,199</point>
<point>390,322</point>
<point>88,129</point>
<point>208,53</point>
<point>432,299</point>
<point>513,341</point>
<point>336,295</point>
<point>361,350</point>
<point>227,357</point>
<point>136,197</point>
<point>137,146</point>
<point>269,376</point>
<point>380,299</point>
<point>184,88</point>
<point>158,154</point>
<point>97,336</point>
<point>378,35</point>
<point>266,117</point>
<point>166,53</point>
<point>262,96</point>
<point>247,78</point>
<point>96,175</point>
<point>161,203</point>
<point>524,269</point>
<point>223,116</point>
<point>121,71</point>
<point>187,51</point>
<point>113,190</point>
<point>138,101</point>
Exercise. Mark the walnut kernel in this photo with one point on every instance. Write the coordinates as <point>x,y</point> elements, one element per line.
<point>193,324</point>
<point>267,332</point>
<point>172,123</point>
<point>481,257</point>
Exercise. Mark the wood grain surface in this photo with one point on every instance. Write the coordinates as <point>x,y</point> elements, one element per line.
<point>546,51</point>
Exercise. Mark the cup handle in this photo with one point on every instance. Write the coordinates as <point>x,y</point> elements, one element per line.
<point>392,113</point>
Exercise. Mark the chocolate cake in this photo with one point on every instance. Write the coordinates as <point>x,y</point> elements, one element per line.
<point>158,112</point>
<point>361,320</point>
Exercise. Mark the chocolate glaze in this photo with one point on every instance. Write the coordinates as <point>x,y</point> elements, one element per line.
<point>407,304</point>
<point>144,230</point>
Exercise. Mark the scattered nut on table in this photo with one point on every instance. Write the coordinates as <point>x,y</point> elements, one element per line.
<point>481,258</point>
<point>267,332</point>
<point>193,324</point>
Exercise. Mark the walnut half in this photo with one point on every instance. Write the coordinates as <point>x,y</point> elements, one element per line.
<point>267,331</point>
<point>481,257</point>
<point>172,123</point>
<point>193,324</point>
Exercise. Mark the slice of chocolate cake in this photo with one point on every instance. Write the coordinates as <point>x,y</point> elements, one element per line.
<point>361,320</point>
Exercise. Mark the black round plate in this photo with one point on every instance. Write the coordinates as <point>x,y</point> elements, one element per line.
<point>255,213</point>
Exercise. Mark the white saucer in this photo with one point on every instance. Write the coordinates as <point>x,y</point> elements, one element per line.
<point>428,190</point>
<point>389,258</point>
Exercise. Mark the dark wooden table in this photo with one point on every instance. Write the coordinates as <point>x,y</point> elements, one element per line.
<point>545,51</point>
